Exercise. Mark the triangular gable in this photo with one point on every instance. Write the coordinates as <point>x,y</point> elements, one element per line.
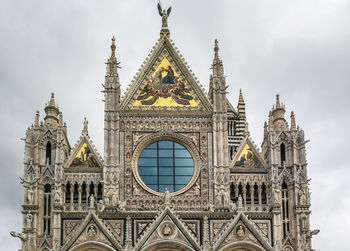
<point>47,136</point>
<point>167,226</point>
<point>92,229</point>
<point>47,173</point>
<point>288,244</point>
<point>247,156</point>
<point>165,80</point>
<point>241,231</point>
<point>84,154</point>
<point>45,245</point>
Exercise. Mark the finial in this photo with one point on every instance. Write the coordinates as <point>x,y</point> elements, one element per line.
<point>292,122</point>
<point>278,104</point>
<point>52,100</point>
<point>85,130</point>
<point>216,49</point>
<point>113,46</point>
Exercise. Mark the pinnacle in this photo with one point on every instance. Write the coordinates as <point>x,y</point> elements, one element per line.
<point>278,104</point>
<point>241,99</point>
<point>216,49</point>
<point>85,129</point>
<point>113,47</point>
<point>52,100</point>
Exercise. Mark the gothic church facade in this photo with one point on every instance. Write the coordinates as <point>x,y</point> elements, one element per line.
<point>179,170</point>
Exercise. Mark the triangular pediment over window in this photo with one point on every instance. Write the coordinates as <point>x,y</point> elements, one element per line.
<point>247,156</point>
<point>165,82</point>
<point>167,228</point>
<point>241,233</point>
<point>84,156</point>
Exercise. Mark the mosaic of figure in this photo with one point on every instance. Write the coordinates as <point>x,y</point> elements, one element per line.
<point>247,158</point>
<point>165,88</point>
<point>84,157</point>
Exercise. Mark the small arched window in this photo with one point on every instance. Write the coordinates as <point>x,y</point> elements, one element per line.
<point>232,192</point>
<point>248,194</point>
<point>256,194</point>
<point>99,192</point>
<point>283,153</point>
<point>263,194</point>
<point>48,152</point>
<point>83,194</point>
<point>68,192</point>
<point>285,210</point>
<point>76,193</point>
<point>47,210</point>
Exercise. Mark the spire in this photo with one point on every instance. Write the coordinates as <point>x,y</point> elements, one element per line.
<point>85,129</point>
<point>111,85</point>
<point>217,66</point>
<point>241,105</point>
<point>292,123</point>
<point>164,14</point>
<point>241,100</point>
<point>52,100</point>
<point>51,111</point>
<point>112,63</point>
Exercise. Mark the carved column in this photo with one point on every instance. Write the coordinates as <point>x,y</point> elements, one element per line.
<point>252,194</point>
<point>71,196</point>
<point>79,196</point>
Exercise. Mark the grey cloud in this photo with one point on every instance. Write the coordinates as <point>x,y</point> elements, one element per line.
<point>299,49</point>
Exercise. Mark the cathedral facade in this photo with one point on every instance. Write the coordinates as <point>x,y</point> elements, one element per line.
<point>179,169</point>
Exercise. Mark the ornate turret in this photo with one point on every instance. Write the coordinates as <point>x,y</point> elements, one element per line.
<point>217,66</point>
<point>52,112</point>
<point>278,122</point>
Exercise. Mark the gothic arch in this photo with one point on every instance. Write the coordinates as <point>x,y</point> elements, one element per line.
<point>168,245</point>
<point>241,246</point>
<point>92,246</point>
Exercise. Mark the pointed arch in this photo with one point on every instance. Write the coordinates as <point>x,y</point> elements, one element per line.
<point>285,210</point>
<point>282,153</point>
<point>48,152</point>
<point>47,210</point>
<point>242,246</point>
<point>92,246</point>
<point>171,245</point>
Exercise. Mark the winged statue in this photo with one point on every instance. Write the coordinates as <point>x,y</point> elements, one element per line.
<point>164,14</point>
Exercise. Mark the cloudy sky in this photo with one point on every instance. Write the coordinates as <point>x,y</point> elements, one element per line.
<point>299,49</point>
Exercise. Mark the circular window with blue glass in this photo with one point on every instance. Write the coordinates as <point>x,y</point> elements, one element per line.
<point>165,164</point>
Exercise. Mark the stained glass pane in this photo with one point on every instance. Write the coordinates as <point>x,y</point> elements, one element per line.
<point>166,164</point>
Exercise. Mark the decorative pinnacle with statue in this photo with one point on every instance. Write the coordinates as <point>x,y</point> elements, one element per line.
<point>164,14</point>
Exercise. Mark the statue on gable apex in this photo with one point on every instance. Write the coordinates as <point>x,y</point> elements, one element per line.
<point>164,14</point>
